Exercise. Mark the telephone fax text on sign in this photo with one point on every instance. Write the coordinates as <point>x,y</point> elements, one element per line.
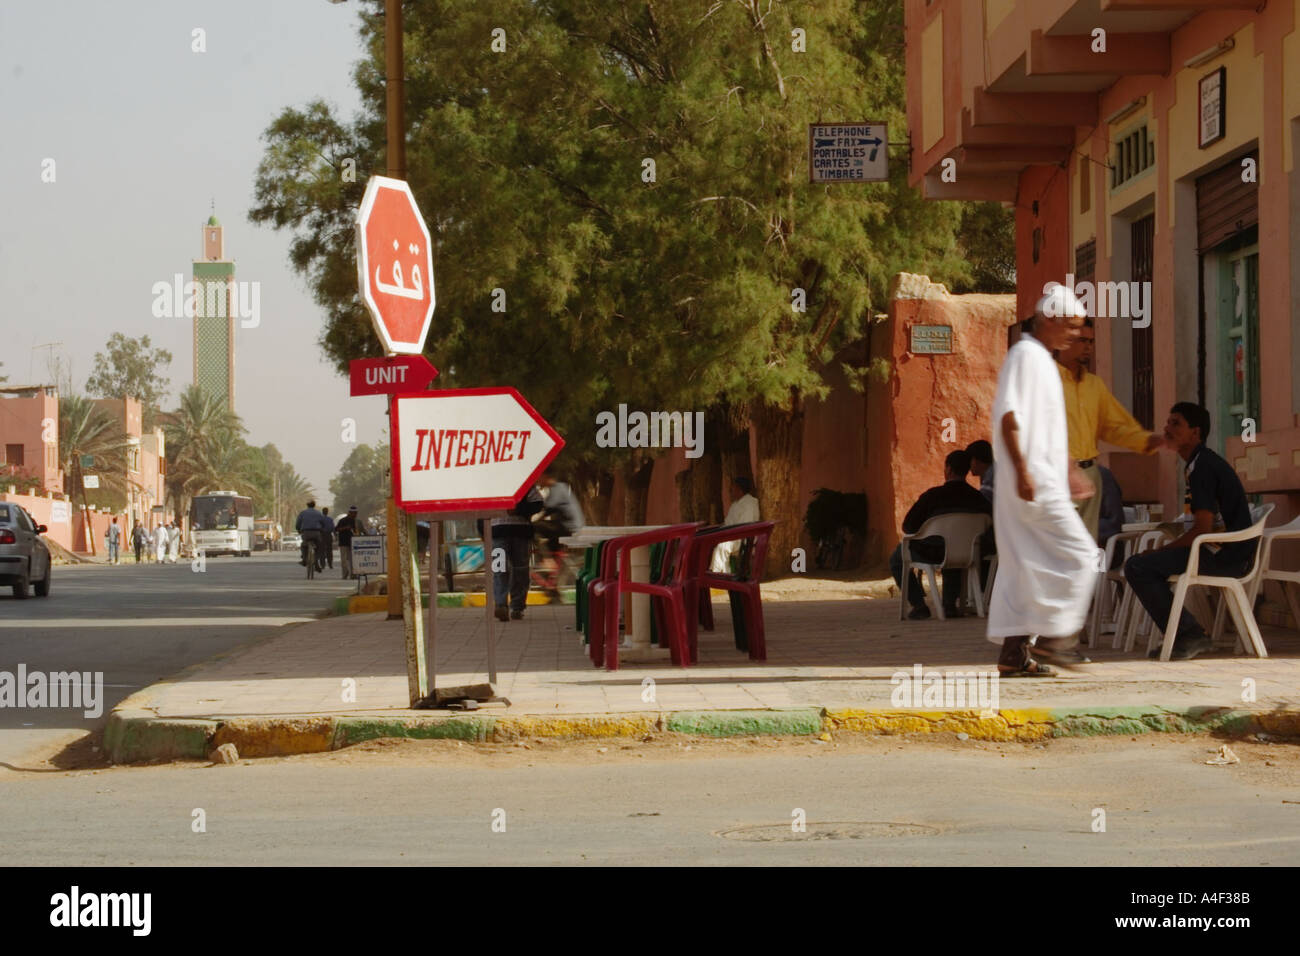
<point>848,152</point>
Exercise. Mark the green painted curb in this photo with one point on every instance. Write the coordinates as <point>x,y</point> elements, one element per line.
<point>132,736</point>
<point>354,730</point>
<point>739,723</point>
<point>1104,721</point>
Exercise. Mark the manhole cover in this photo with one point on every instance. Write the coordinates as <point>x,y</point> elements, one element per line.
<point>782,832</point>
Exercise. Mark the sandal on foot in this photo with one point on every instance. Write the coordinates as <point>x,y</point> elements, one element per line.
<point>1031,669</point>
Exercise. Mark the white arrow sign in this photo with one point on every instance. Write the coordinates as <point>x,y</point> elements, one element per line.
<point>468,449</point>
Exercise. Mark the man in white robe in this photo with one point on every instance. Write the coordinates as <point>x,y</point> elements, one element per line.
<point>1046,557</point>
<point>743,510</point>
<point>173,542</point>
<point>160,541</point>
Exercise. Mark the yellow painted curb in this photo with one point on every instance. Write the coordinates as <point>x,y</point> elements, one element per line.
<point>1003,725</point>
<point>480,600</point>
<point>272,737</point>
<point>367,603</point>
<point>629,725</point>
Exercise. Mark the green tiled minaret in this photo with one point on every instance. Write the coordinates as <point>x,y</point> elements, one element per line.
<point>214,319</point>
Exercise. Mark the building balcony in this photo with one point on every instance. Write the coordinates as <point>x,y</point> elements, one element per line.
<point>996,86</point>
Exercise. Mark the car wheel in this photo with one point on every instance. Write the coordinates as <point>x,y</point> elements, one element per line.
<point>21,586</point>
<point>42,586</point>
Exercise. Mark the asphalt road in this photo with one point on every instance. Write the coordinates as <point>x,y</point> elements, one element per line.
<point>882,801</point>
<point>138,624</point>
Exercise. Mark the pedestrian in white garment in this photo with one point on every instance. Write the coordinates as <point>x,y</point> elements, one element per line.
<point>1045,555</point>
<point>160,540</point>
<point>173,542</point>
<point>743,510</point>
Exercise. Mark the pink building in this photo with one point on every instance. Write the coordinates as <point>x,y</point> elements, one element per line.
<point>146,463</point>
<point>29,436</point>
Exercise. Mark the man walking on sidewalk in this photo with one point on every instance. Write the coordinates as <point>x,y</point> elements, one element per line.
<point>113,537</point>
<point>512,539</point>
<point>1045,554</point>
<point>139,541</point>
<point>327,537</point>
<point>345,529</point>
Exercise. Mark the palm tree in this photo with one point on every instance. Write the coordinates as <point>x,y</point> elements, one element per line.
<point>205,448</point>
<point>85,429</point>
<point>294,492</point>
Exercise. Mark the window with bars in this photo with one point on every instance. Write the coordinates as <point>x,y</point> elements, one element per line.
<point>1085,261</point>
<point>1134,154</point>
<point>1143,263</point>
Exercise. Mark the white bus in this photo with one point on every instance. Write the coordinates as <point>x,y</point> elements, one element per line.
<point>221,522</point>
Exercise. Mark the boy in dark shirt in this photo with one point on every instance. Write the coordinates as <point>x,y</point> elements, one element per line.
<point>1212,486</point>
<point>953,496</point>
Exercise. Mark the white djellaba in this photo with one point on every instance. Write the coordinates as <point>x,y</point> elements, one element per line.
<point>1045,555</point>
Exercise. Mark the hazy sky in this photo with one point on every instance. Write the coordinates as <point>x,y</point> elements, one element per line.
<point>145,134</point>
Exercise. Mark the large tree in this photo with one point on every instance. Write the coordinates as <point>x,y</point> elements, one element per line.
<point>361,480</point>
<point>131,367</point>
<point>634,178</point>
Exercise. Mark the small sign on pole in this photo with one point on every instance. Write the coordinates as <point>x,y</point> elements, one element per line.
<point>848,152</point>
<point>90,481</point>
<point>369,553</point>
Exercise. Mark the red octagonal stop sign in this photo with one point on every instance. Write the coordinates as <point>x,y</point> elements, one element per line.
<point>395,264</point>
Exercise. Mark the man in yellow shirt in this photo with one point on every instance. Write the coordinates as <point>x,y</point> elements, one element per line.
<point>1093,414</point>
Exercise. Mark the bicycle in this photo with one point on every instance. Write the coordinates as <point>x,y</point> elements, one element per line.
<point>311,560</point>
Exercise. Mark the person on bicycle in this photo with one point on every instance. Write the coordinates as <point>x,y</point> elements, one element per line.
<point>561,516</point>
<point>311,524</point>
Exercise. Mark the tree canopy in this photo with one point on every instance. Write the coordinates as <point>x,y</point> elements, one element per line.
<point>133,368</point>
<point>530,165</point>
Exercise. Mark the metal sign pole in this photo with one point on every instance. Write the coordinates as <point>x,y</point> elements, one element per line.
<point>431,657</point>
<point>412,612</point>
<point>489,601</point>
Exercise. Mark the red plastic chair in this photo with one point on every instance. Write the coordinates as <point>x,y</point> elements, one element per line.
<point>667,593</point>
<point>746,583</point>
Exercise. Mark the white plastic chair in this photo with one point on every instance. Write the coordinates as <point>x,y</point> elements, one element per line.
<point>1265,573</point>
<point>1110,584</point>
<point>1131,612</point>
<point>992,559</point>
<point>961,535</point>
<point>1234,593</point>
<point>1254,581</point>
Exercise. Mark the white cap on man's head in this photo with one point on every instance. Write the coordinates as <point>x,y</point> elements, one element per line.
<point>1059,301</point>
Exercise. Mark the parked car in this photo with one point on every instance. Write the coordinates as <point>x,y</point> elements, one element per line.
<point>291,541</point>
<point>24,557</point>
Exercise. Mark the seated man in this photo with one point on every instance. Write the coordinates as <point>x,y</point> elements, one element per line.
<point>1212,486</point>
<point>981,466</point>
<point>952,497</point>
<point>743,510</point>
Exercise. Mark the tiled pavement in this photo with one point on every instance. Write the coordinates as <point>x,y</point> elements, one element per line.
<point>829,653</point>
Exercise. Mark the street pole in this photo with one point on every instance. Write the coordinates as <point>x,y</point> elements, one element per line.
<point>393,85</point>
<point>396,125</point>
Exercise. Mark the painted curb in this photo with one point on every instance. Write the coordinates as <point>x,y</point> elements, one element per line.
<point>744,723</point>
<point>134,735</point>
<point>370,603</point>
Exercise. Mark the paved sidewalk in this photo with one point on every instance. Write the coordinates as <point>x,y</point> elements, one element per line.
<point>827,654</point>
